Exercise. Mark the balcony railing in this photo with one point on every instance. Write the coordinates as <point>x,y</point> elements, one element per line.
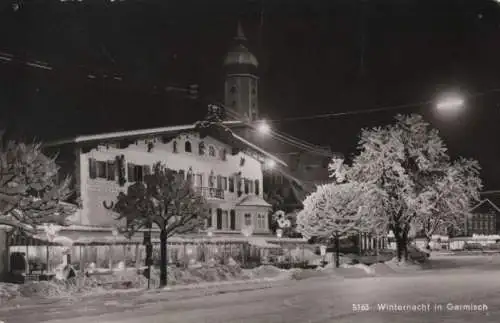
<point>210,192</point>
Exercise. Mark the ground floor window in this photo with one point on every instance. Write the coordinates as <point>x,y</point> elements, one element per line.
<point>225,217</point>
<point>261,221</point>
<point>248,219</point>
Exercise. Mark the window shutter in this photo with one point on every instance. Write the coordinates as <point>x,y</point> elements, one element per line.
<point>209,219</point>
<point>232,220</point>
<point>219,219</point>
<point>219,182</point>
<point>130,172</point>
<point>92,168</point>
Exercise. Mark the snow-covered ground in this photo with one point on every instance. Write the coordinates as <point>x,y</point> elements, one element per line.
<point>473,280</point>
<point>316,300</point>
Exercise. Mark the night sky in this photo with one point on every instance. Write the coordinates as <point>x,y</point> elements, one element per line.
<point>315,57</point>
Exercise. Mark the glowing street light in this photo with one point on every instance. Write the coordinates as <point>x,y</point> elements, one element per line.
<point>263,128</point>
<point>450,104</point>
<point>270,163</point>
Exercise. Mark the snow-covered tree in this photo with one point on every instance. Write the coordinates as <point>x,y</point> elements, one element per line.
<point>335,210</point>
<point>337,169</point>
<point>165,199</point>
<point>406,160</point>
<point>447,201</point>
<point>30,193</point>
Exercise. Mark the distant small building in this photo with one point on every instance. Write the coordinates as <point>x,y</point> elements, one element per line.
<point>485,219</point>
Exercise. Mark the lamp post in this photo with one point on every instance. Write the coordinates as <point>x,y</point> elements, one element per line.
<point>247,231</point>
<point>114,233</point>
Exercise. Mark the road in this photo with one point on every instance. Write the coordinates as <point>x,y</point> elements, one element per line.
<point>312,300</point>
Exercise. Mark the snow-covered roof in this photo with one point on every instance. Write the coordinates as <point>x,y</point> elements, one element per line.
<point>486,201</point>
<point>132,133</point>
<point>162,131</point>
<point>253,200</point>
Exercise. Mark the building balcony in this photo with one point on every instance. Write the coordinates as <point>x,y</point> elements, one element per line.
<point>210,192</point>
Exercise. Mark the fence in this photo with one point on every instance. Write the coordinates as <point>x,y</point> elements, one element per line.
<point>180,252</point>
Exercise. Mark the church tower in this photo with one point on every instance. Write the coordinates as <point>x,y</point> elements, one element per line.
<point>241,85</point>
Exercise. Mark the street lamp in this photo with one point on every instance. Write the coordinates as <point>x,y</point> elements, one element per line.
<point>450,104</point>
<point>263,128</point>
<point>270,164</point>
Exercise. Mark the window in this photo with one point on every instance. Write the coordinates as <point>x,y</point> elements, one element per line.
<point>174,146</point>
<point>187,146</point>
<point>182,173</point>
<point>101,169</point>
<point>225,217</point>
<point>238,184</point>
<point>224,183</point>
<point>231,184</point>
<point>110,170</point>
<point>201,148</point>
<point>232,220</point>
<point>223,154</point>
<point>219,219</point>
<point>136,172</point>
<point>211,181</point>
<point>257,187</point>
<point>250,186</point>
<point>248,219</point>
<point>261,221</point>
<point>211,151</point>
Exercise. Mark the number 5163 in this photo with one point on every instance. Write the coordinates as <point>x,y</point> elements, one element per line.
<point>360,307</point>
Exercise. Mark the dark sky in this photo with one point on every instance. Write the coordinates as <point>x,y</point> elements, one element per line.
<point>310,54</point>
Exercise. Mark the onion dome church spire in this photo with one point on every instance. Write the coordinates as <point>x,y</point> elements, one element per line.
<point>241,78</point>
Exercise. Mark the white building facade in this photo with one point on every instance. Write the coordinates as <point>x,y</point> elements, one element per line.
<point>230,178</point>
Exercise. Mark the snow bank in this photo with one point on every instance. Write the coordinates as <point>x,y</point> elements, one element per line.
<point>354,269</point>
<point>366,268</point>
<point>381,269</point>
<point>407,265</point>
<point>8,292</point>
<point>265,271</point>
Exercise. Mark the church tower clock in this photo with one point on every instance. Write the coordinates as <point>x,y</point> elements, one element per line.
<point>241,85</point>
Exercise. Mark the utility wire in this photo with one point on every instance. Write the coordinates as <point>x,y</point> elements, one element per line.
<point>285,138</point>
<point>6,57</point>
<point>375,110</point>
<point>192,90</point>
